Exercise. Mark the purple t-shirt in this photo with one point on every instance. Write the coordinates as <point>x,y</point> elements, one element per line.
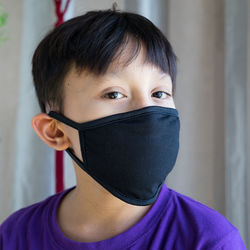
<point>174,222</point>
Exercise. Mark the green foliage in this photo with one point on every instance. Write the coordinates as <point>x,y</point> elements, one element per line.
<point>3,19</point>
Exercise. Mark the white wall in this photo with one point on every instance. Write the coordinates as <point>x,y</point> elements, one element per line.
<point>9,85</point>
<point>248,108</point>
<point>82,6</point>
<point>195,30</point>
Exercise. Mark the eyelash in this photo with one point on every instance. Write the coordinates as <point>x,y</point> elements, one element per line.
<point>104,96</point>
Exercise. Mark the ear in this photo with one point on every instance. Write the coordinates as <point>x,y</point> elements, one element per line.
<point>49,130</point>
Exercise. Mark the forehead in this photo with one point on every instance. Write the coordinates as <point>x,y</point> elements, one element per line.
<point>137,63</point>
<point>131,56</point>
<point>120,67</point>
<point>123,64</point>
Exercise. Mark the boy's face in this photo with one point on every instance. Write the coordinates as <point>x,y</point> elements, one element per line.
<point>88,97</point>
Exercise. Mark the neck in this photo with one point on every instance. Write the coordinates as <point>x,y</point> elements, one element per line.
<point>96,212</point>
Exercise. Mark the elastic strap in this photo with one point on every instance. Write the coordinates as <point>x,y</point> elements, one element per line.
<point>63,119</point>
<point>75,158</point>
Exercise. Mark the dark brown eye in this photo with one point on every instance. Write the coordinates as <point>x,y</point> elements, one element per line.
<point>159,94</point>
<point>112,95</point>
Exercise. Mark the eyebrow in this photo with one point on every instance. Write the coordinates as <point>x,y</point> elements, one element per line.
<point>117,72</point>
<point>105,81</point>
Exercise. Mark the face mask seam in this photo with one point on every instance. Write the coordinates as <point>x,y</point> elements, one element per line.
<point>120,119</point>
<point>78,126</point>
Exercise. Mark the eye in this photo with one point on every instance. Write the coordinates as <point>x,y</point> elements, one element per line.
<point>113,95</point>
<point>160,95</point>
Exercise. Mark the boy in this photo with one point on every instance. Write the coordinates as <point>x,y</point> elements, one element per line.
<point>105,83</point>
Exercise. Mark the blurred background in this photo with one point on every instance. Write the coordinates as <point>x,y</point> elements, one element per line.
<point>212,43</point>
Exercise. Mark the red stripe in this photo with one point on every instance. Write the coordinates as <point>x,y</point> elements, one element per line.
<point>59,154</point>
<point>59,171</point>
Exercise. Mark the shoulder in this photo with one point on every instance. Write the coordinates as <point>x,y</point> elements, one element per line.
<point>202,215</point>
<point>29,227</point>
<point>208,226</point>
<point>20,221</point>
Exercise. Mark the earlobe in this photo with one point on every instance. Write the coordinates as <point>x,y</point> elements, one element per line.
<point>48,130</point>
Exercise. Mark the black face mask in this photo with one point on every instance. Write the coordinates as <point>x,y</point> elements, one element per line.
<point>130,154</point>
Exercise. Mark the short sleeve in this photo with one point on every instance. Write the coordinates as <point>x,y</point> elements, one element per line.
<point>232,241</point>
<point>1,237</point>
<point>1,240</point>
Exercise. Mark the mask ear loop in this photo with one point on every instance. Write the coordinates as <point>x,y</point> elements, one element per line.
<point>75,158</point>
<point>64,119</point>
<point>72,124</point>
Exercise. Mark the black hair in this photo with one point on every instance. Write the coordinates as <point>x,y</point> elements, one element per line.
<point>91,41</point>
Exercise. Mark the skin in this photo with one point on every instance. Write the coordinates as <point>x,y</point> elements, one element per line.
<point>89,212</point>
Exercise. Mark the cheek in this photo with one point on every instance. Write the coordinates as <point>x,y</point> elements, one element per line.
<point>170,103</point>
<point>76,145</point>
<point>173,104</point>
<point>73,136</point>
